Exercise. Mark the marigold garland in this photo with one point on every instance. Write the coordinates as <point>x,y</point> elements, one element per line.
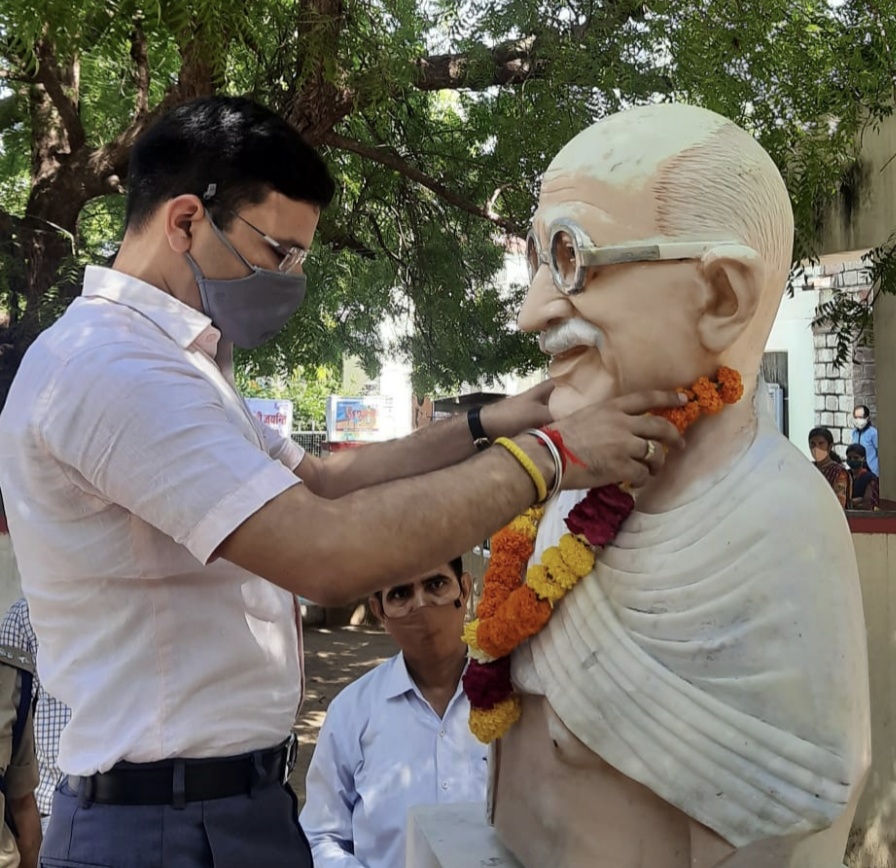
<point>490,724</point>
<point>513,610</point>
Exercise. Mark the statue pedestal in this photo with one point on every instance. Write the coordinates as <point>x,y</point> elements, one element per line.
<point>454,836</point>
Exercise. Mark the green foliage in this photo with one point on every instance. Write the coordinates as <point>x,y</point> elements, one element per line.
<point>307,388</point>
<point>437,159</point>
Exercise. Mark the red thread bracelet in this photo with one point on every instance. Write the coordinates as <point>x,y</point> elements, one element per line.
<point>565,453</point>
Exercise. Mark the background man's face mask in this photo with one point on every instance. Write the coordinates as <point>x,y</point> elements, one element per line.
<point>248,310</point>
<point>860,423</point>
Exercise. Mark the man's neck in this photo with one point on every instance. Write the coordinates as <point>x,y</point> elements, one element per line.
<point>437,678</point>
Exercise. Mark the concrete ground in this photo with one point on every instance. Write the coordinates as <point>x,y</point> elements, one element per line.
<point>334,657</point>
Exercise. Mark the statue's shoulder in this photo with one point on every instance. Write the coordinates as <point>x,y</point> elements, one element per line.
<point>793,495</point>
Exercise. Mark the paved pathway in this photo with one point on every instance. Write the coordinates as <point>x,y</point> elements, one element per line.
<point>333,658</point>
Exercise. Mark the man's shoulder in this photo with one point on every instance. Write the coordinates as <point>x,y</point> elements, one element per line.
<point>366,689</point>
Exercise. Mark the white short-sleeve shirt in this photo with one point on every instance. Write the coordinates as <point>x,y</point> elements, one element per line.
<point>126,458</point>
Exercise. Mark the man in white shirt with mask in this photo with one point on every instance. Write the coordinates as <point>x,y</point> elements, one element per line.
<point>865,434</point>
<point>399,735</point>
<point>162,532</point>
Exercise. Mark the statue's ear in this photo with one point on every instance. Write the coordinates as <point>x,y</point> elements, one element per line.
<point>733,278</point>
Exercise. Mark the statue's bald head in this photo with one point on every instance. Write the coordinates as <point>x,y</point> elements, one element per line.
<point>695,172</point>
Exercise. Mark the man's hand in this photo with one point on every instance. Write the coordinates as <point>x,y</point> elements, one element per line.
<point>611,439</point>
<point>528,410</point>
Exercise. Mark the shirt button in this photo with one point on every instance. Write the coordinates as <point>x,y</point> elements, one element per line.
<point>444,785</point>
<point>441,733</point>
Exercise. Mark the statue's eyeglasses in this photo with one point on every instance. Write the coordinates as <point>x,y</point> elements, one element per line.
<point>571,253</point>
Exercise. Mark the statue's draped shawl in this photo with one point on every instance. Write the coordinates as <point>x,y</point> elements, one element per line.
<point>717,652</point>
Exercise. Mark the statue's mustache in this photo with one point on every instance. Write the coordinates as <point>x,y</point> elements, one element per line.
<point>569,334</point>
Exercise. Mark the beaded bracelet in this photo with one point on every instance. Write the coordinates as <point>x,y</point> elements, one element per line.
<point>541,487</point>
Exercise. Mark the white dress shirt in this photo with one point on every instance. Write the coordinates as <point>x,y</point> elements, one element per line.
<point>126,458</point>
<point>382,750</point>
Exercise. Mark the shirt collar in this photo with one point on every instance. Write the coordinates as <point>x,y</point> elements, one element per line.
<point>179,321</point>
<point>400,682</point>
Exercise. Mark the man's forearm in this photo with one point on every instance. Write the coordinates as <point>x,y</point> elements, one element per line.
<point>442,444</point>
<point>336,551</point>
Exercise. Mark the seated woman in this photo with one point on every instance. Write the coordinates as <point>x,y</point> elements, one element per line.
<point>865,485</point>
<point>821,445</point>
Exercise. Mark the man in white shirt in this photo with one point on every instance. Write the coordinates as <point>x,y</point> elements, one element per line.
<point>399,736</point>
<point>161,532</point>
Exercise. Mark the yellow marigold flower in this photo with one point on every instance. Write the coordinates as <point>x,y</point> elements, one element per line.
<point>492,724</point>
<point>539,579</point>
<point>469,637</point>
<point>561,574</point>
<point>577,555</point>
<point>527,523</point>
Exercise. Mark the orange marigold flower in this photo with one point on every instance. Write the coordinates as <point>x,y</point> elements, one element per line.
<point>712,403</point>
<point>731,387</point>
<point>522,615</point>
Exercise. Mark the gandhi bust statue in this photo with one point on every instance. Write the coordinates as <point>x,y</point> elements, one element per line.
<point>701,698</point>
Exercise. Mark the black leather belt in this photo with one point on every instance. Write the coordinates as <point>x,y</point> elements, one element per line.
<point>175,782</point>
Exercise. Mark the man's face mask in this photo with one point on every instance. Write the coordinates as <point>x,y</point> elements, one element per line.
<point>860,423</point>
<point>250,310</point>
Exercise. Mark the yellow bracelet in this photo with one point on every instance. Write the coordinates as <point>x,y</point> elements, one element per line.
<point>541,487</point>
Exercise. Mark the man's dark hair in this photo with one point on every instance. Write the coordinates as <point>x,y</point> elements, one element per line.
<point>865,410</point>
<point>457,567</point>
<point>230,145</point>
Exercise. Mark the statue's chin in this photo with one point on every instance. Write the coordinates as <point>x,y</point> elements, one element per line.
<point>565,400</point>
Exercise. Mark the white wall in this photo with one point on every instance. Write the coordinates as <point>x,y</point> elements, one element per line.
<point>792,333</point>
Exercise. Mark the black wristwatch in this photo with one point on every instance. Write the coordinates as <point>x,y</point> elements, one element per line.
<point>477,432</point>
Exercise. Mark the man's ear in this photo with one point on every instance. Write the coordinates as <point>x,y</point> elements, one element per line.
<point>734,277</point>
<point>376,606</point>
<point>181,213</point>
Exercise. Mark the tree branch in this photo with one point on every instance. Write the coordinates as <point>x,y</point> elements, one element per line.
<point>48,74</point>
<point>388,157</point>
<point>512,62</point>
<point>140,56</point>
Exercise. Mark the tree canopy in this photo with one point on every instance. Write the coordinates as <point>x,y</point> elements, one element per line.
<point>437,118</point>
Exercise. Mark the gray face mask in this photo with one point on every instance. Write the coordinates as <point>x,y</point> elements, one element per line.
<point>248,310</point>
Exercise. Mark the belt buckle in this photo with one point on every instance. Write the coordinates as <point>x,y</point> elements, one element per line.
<point>291,755</point>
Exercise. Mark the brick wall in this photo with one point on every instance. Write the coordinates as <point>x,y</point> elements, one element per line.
<point>839,389</point>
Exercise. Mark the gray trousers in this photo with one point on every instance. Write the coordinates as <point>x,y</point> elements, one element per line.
<point>261,829</point>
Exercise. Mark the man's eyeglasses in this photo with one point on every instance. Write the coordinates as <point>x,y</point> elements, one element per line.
<point>438,590</point>
<point>571,253</point>
<point>290,258</point>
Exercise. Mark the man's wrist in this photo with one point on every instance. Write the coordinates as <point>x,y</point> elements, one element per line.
<point>540,456</point>
<point>481,439</point>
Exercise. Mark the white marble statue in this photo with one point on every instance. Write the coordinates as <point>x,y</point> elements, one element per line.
<point>701,699</point>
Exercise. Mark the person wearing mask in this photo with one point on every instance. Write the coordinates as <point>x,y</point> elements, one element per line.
<point>163,533</point>
<point>399,735</point>
<point>865,435</point>
<point>865,485</point>
<point>821,445</point>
